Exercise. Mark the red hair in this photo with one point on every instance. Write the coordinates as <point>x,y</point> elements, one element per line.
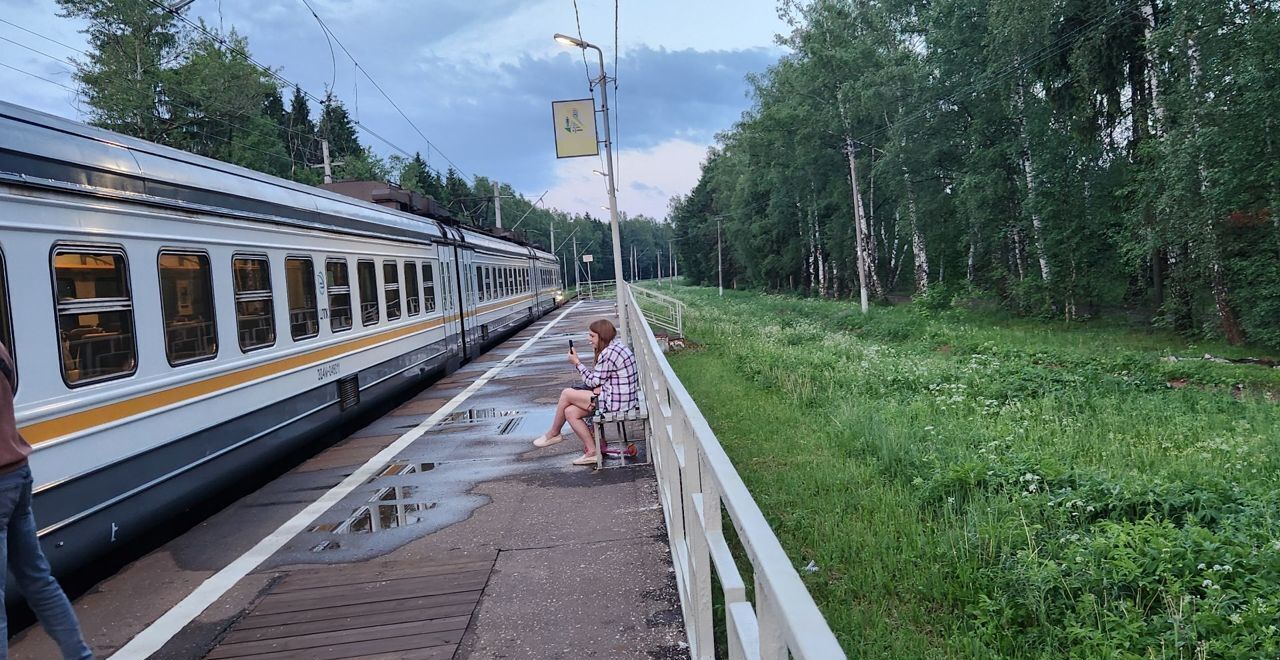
<point>605,331</point>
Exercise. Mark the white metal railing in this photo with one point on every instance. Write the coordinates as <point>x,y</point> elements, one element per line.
<point>660,310</point>
<point>696,483</point>
<point>596,290</point>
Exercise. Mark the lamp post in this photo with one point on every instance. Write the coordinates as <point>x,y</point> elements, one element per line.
<point>620,281</point>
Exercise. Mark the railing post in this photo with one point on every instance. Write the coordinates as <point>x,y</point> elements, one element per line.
<point>772,644</point>
<point>699,555</point>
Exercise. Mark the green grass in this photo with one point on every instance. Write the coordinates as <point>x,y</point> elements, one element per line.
<point>974,485</point>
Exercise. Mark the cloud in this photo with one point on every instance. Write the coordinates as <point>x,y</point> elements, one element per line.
<point>477,79</point>
<point>647,180</point>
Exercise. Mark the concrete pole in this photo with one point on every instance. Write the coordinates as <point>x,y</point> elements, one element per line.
<point>719,259</point>
<point>858,215</point>
<point>671,263</point>
<point>576,282</point>
<point>497,205</point>
<point>328,166</point>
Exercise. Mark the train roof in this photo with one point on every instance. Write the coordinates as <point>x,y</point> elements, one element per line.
<point>42,149</point>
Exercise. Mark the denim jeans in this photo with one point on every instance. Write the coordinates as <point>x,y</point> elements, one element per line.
<point>21,550</point>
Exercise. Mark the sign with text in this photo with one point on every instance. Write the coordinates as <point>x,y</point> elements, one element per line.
<point>575,124</point>
<point>588,258</point>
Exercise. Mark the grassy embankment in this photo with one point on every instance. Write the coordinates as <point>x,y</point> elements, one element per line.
<point>973,485</point>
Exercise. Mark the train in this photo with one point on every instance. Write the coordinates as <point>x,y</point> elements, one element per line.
<point>177,321</point>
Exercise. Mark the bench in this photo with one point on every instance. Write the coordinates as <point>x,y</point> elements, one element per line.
<point>623,441</point>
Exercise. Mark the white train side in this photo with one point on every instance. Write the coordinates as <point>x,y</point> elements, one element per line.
<point>176,320</point>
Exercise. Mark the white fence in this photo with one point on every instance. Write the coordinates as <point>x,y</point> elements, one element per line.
<point>595,290</point>
<point>696,483</point>
<point>661,311</point>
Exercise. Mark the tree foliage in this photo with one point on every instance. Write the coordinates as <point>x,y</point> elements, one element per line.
<point>1069,158</point>
<point>152,77</point>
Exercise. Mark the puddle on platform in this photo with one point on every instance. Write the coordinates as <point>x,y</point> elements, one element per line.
<point>390,508</point>
<point>471,416</point>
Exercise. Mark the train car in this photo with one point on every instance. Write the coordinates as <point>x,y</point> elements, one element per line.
<point>176,320</point>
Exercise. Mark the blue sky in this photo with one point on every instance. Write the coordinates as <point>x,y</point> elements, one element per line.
<point>478,78</point>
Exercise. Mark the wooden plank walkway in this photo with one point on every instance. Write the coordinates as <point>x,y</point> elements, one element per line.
<point>403,609</point>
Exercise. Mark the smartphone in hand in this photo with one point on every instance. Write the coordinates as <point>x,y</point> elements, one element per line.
<point>571,344</point>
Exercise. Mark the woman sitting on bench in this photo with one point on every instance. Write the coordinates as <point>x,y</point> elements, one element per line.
<point>613,383</point>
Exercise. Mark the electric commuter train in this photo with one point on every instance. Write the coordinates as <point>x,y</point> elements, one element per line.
<point>176,320</point>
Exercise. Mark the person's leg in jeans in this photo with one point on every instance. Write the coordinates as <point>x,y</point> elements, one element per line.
<point>31,571</point>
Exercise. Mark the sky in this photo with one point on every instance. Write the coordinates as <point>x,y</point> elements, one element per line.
<point>477,79</point>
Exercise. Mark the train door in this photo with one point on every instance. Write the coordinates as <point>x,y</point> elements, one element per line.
<point>466,271</point>
<point>448,288</point>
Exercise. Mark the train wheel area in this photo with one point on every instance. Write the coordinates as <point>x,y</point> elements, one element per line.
<point>437,531</point>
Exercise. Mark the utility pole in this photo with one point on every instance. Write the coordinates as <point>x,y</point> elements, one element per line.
<point>657,259</point>
<point>858,214</point>
<point>553,235</point>
<point>719,259</point>
<point>497,205</point>
<point>576,281</point>
<point>671,263</point>
<point>328,167</point>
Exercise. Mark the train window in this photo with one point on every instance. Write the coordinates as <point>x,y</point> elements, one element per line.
<point>338,284</point>
<point>506,281</point>
<point>391,289</point>
<point>255,316</point>
<point>95,314</point>
<point>300,285</point>
<point>367,273</point>
<point>429,287</point>
<point>186,302</point>
<point>6,321</point>
<point>411,302</point>
<point>480,283</point>
<point>488,283</point>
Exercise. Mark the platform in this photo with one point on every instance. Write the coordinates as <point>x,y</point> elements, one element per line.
<point>466,543</point>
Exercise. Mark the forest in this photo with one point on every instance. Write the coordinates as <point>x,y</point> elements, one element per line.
<point>1069,159</point>
<point>155,75</point>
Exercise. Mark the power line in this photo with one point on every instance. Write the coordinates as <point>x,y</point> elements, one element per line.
<point>201,131</point>
<point>577,18</point>
<point>361,69</point>
<point>38,77</point>
<point>193,97</point>
<point>617,119</point>
<point>230,47</point>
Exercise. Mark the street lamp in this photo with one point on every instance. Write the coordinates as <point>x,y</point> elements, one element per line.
<point>619,280</point>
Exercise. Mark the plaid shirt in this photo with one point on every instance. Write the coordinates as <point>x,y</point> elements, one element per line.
<point>615,375</point>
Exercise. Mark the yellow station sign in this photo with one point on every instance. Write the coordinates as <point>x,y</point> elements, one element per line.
<point>575,123</point>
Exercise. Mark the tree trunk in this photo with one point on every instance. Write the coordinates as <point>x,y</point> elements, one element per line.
<point>973,255</point>
<point>1028,174</point>
<point>1230,322</point>
<point>918,253</point>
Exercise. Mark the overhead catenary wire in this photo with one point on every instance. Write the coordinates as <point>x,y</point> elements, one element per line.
<point>248,58</point>
<point>201,132</point>
<point>361,69</point>
<point>193,97</point>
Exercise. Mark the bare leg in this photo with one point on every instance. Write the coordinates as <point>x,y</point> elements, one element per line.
<point>582,429</point>
<point>568,397</point>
